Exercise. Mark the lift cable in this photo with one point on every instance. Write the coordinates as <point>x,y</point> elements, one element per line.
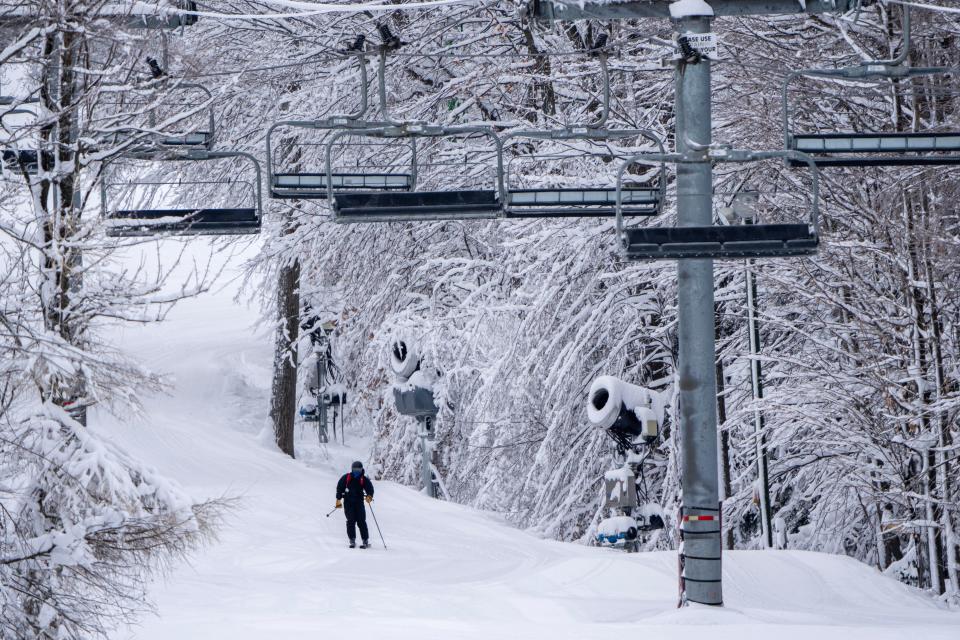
<point>924,7</point>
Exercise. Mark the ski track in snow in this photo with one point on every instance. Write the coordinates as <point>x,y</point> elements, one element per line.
<point>280,569</point>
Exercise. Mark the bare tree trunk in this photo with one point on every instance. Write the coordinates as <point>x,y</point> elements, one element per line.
<point>283,400</point>
<point>62,260</point>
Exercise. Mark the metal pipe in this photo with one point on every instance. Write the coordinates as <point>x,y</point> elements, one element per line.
<point>605,78</point>
<point>362,110</point>
<point>328,156</point>
<point>905,48</point>
<point>382,89</point>
<point>757,389</point>
<point>662,159</point>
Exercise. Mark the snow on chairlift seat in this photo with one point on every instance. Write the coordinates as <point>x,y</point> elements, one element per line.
<point>190,222</point>
<point>416,206</point>
<point>313,186</point>
<point>896,149</point>
<point>736,241</point>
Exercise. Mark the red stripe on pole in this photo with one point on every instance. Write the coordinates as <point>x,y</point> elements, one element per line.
<point>698,518</point>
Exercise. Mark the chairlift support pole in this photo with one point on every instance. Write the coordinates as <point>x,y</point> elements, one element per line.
<point>700,513</point>
<point>426,450</point>
<point>700,576</point>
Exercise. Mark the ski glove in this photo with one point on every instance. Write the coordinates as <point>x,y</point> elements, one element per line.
<point>369,499</point>
<point>339,505</point>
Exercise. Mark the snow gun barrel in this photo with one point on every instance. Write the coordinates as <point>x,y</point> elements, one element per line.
<point>404,358</point>
<point>623,410</point>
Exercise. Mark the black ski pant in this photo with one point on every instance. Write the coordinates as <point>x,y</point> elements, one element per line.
<point>356,517</point>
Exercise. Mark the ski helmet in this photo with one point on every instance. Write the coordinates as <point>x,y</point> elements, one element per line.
<point>357,465</point>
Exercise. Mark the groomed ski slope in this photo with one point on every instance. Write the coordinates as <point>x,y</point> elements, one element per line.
<point>281,570</point>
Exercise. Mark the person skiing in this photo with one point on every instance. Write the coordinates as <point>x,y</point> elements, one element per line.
<point>352,490</point>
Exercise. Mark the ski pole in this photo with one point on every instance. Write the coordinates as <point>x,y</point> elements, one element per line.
<point>331,511</point>
<point>378,527</point>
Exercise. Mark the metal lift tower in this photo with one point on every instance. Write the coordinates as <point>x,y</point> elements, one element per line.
<point>700,572</point>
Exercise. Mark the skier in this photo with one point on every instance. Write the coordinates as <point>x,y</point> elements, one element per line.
<point>350,497</point>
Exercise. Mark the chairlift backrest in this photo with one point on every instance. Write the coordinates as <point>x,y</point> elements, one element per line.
<point>158,117</point>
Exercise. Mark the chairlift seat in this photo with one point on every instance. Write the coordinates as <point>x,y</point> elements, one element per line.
<point>213,221</point>
<point>26,160</point>
<point>313,186</point>
<point>397,206</point>
<point>587,202</point>
<point>739,241</point>
<point>195,139</point>
<point>895,149</point>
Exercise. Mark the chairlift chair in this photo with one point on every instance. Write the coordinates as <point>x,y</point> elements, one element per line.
<point>579,201</point>
<point>145,221</point>
<point>873,148</point>
<point>723,242</point>
<point>639,199</point>
<point>312,185</point>
<point>182,13</point>
<point>391,196</point>
<point>15,158</point>
<point>382,205</point>
<point>164,125</point>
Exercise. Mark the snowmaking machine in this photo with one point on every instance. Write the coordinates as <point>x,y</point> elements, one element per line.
<point>413,396</point>
<point>626,413</point>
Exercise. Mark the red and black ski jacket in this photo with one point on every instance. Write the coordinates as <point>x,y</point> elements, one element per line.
<point>351,490</point>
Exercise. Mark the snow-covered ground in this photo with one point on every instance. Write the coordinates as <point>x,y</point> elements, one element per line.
<point>281,570</point>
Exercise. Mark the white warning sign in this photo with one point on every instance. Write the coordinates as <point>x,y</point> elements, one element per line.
<point>705,43</point>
